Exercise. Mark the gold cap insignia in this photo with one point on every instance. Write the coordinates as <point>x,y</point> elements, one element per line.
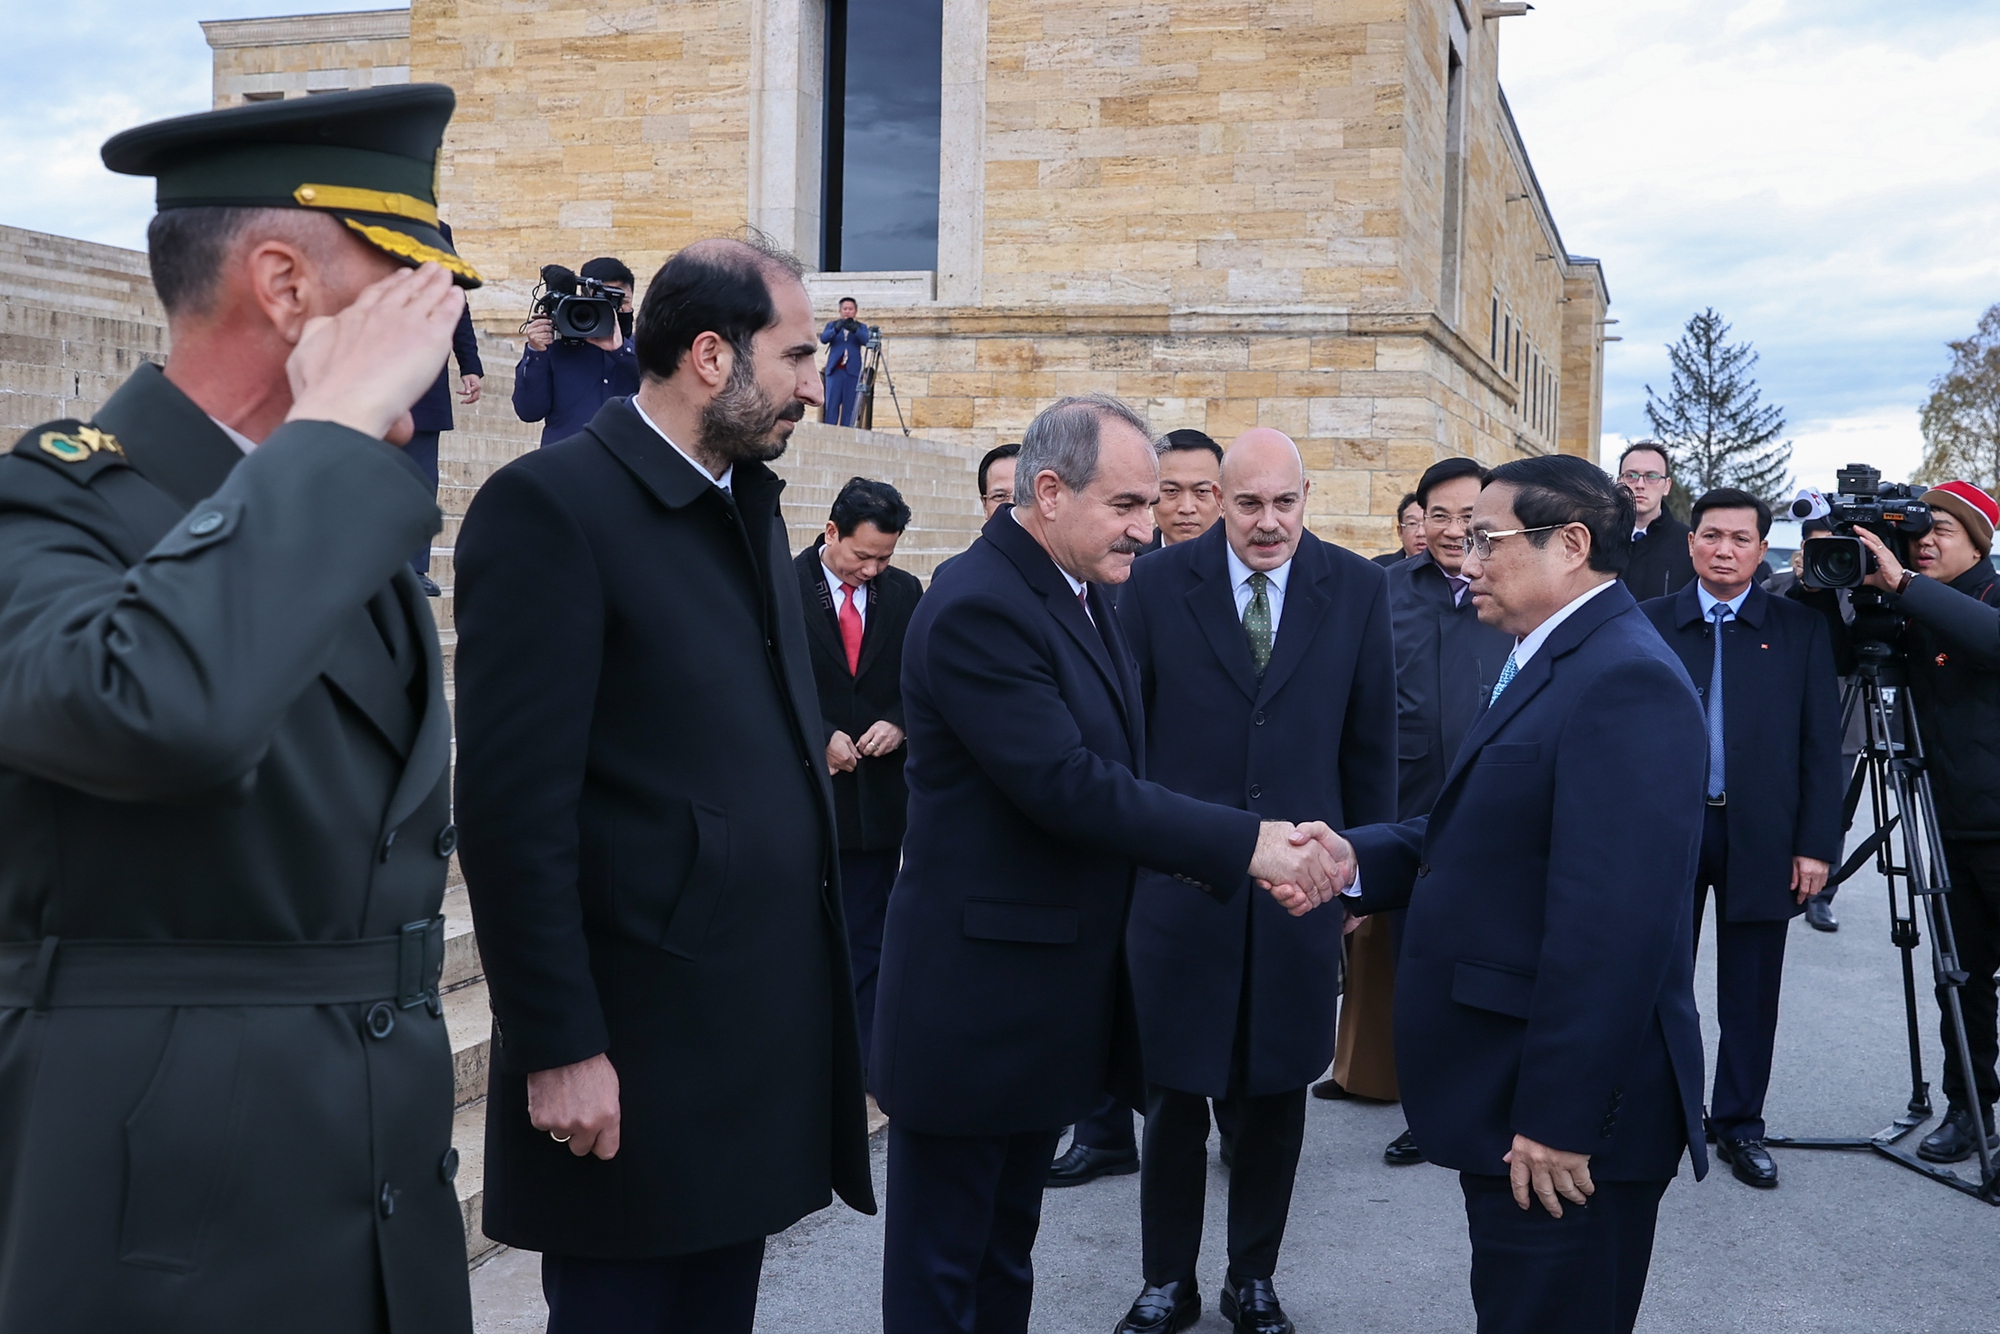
<point>78,445</point>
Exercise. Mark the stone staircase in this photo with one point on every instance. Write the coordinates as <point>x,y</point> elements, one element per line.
<point>936,479</point>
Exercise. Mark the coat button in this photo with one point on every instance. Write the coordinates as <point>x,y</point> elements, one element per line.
<point>387,844</point>
<point>386,1201</point>
<point>448,1166</point>
<point>381,1020</point>
<point>205,523</point>
<point>1255,792</point>
<point>447,840</point>
<point>1258,720</point>
<point>1423,869</point>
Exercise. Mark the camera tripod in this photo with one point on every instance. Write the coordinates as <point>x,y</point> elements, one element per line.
<point>875,362</point>
<point>1899,786</point>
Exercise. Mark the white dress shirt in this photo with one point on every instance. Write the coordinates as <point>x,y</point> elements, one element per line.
<point>727,473</point>
<point>1274,592</point>
<point>1525,647</point>
<point>839,591</point>
<point>236,437</point>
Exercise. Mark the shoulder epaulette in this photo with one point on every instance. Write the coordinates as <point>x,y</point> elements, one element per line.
<point>76,449</point>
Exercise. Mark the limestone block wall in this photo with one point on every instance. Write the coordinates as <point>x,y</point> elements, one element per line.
<point>259,60</point>
<point>76,318</point>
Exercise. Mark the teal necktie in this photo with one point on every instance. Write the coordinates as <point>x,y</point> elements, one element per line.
<point>1507,675</point>
<point>1257,622</point>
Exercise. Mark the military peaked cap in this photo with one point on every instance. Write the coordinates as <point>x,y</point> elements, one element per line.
<point>368,157</point>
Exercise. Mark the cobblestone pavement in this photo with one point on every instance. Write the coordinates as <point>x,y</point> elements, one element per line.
<point>1848,1244</point>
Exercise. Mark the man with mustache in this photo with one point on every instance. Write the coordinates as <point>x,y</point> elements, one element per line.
<point>649,835</point>
<point>1268,678</point>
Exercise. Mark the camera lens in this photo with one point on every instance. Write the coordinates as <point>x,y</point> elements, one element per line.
<point>1834,562</point>
<point>584,316</point>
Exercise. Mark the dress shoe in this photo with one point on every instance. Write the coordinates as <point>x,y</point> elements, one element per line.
<point>1952,1141</point>
<point>1167,1309</point>
<point>1083,1163</point>
<point>1403,1151</point>
<point>1749,1161</point>
<point>1251,1307</point>
<point>1331,1090</point>
<point>1819,914</point>
<point>429,585</point>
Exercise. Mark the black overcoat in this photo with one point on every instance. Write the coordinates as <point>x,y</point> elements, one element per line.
<point>870,803</point>
<point>1002,1007</point>
<point>1314,739</point>
<point>1447,660</point>
<point>222,719</point>
<point>648,845</point>
<point>1660,564</point>
<point>1781,738</point>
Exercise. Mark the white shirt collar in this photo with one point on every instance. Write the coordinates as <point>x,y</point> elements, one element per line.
<point>834,583</point>
<point>727,473</point>
<point>236,437</point>
<point>1709,601</point>
<point>1075,584</point>
<point>1525,647</point>
<point>1239,573</point>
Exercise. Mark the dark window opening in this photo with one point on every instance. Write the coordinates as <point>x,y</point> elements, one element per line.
<point>884,79</point>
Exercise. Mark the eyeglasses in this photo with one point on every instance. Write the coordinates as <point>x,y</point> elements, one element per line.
<point>1634,478</point>
<point>1482,542</point>
<point>1414,521</point>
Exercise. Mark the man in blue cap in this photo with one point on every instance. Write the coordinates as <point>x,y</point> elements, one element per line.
<point>225,1083</point>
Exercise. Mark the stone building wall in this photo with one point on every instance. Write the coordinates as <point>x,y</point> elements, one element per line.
<point>261,60</point>
<point>76,318</point>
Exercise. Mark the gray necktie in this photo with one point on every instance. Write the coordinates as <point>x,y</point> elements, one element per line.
<point>1257,621</point>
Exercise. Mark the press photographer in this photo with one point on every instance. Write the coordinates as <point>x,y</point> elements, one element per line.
<point>1942,617</point>
<point>846,339</point>
<point>579,351</point>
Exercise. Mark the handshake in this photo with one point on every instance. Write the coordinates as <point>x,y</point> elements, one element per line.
<point>1302,865</point>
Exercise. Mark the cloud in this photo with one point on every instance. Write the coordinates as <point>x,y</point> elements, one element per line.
<point>1825,174</point>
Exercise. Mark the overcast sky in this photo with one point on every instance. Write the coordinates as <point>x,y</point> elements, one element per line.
<point>1826,173</point>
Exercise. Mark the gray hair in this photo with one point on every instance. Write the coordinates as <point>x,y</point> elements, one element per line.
<point>1063,437</point>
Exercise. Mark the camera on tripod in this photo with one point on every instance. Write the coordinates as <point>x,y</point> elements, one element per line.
<point>580,308</point>
<point>1891,511</point>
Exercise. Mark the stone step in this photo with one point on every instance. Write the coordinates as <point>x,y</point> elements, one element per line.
<point>461,950</point>
<point>469,1022</point>
<point>468,1136</point>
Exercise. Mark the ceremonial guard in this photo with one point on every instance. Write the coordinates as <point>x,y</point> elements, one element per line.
<point>225,1085</point>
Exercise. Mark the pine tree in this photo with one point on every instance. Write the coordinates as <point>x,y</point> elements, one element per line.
<point>1961,422</point>
<point>1712,418</point>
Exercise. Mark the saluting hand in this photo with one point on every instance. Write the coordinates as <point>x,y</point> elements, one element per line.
<point>366,366</point>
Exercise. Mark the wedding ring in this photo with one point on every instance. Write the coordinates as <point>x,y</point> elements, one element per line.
<point>560,1139</point>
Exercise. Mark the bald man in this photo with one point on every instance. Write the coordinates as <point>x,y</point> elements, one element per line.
<point>1268,676</point>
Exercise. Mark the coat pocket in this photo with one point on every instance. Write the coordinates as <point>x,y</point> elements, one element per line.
<point>693,912</point>
<point>177,1141</point>
<point>1510,752</point>
<point>1028,923</point>
<point>1490,986</point>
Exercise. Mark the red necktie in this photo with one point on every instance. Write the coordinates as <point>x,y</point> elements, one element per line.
<point>850,630</point>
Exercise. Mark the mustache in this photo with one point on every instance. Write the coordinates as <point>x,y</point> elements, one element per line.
<point>1267,537</point>
<point>793,411</point>
<point>1125,546</point>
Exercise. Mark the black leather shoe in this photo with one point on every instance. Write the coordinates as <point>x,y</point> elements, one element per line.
<point>1819,914</point>
<point>1167,1309</point>
<point>1748,1160</point>
<point>1403,1151</point>
<point>429,585</point>
<point>1251,1307</point>
<point>1083,1164</point>
<point>1952,1141</point>
<point>1331,1090</point>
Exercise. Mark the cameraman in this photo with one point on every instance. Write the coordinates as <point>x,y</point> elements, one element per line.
<point>563,382</point>
<point>845,338</point>
<point>1952,648</point>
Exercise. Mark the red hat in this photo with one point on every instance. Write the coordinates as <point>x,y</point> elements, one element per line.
<point>1973,508</point>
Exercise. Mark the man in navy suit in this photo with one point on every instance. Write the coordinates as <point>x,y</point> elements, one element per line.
<point>845,338</point>
<point>1764,666</point>
<point>1546,1036</point>
<point>1269,681</point>
<point>1002,1007</point>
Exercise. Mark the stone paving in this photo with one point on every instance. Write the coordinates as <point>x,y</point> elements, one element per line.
<point>1848,1244</point>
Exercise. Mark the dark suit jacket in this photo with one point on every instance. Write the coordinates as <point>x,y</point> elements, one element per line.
<point>1389,558</point>
<point>1446,664</point>
<point>1546,983</point>
<point>1314,739</point>
<point>1660,565</point>
<point>648,843</point>
<point>1781,738</point>
<point>432,412</point>
<point>869,804</point>
<point>222,718</point>
<point>1001,988</point>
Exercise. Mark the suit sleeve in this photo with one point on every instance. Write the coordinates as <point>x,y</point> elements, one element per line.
<point>894,714</point>
<point>1618,898</point>
<point>534,386</point>
<point>465,346</point>
<point>1387,856</point>
<point>1962,621</point>
<point>530,634</point>
<point>171,677</point>
<point>1822,780</point>
<point>993,685</point>
<point>1368,777</point>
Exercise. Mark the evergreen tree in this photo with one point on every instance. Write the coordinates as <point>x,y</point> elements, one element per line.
<point>1712,416</point>
<point>1961,422</point>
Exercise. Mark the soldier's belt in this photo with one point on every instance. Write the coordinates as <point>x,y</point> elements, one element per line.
<point>55,973</point>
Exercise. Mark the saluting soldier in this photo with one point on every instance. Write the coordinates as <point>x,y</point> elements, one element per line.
<point>225,1086</point>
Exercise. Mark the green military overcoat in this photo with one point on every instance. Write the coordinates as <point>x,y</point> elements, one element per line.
<point>225,1085</point>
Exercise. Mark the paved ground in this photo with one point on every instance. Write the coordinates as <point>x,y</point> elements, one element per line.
<point>1849,1243</point>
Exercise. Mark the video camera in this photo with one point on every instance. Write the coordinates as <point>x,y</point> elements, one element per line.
<point>1891,511</point>
<point>579,308</point>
